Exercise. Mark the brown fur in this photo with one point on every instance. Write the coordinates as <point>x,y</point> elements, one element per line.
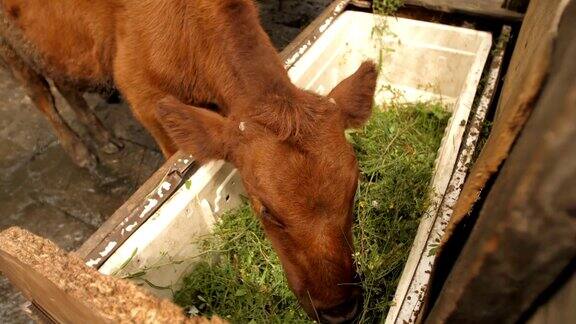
<point>170,59</point>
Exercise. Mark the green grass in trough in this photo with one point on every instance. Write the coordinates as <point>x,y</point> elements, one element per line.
<point>396,151</point>
<point>386,7</point>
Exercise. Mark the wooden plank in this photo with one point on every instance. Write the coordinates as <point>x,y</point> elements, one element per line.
<point>482,8</point>
<point>524,79</point>
<point>166,187</point>
<point>73,293</point>
<point>525,236</point>
<point>135,201</point>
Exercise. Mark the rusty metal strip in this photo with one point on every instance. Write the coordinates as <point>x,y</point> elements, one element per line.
<point>173,180</point>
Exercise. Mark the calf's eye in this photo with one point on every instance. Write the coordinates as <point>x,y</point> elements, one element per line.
<point>268,216</point>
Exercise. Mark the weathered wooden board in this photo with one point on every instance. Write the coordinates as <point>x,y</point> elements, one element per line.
<point>526,233</point>
<point>70,292</point>
<point>137,200</point>
<point>560,309</point>
<point>483,8</point>
<point>523,84</point>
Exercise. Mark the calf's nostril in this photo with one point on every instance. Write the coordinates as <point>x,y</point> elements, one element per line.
<point>346,312</point>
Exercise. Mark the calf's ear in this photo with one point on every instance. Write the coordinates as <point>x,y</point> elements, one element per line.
<point>200,132</point>
<point>354,95</point>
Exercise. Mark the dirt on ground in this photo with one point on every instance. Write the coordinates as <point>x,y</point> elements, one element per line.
<point>41,189</point>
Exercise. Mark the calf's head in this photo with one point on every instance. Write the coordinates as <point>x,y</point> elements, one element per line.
<point>301,176</point>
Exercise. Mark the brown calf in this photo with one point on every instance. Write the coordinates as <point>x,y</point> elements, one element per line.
<point>171,60</point>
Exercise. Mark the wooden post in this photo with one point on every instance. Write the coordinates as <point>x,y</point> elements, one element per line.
<point>526,233</point>
<point>523,84</point>
<point>69,292</point>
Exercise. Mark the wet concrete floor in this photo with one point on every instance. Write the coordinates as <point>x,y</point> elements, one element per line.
<point>42,191</point>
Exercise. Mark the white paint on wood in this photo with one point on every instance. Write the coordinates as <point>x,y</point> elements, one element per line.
<point>148,207</point>
<point>108,248</point>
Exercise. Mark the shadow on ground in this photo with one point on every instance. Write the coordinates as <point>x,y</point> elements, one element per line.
<point>42,191</point>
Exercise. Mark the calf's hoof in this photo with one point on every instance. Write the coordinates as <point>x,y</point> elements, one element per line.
<point>81,156</point>
<point>89,162</point>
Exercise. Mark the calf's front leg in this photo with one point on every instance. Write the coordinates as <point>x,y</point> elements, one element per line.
<point>107,141</point>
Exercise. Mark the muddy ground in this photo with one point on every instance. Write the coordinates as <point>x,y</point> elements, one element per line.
<point>43,191</point>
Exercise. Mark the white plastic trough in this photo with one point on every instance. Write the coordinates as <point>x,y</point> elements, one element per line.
<point>426,61</point>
